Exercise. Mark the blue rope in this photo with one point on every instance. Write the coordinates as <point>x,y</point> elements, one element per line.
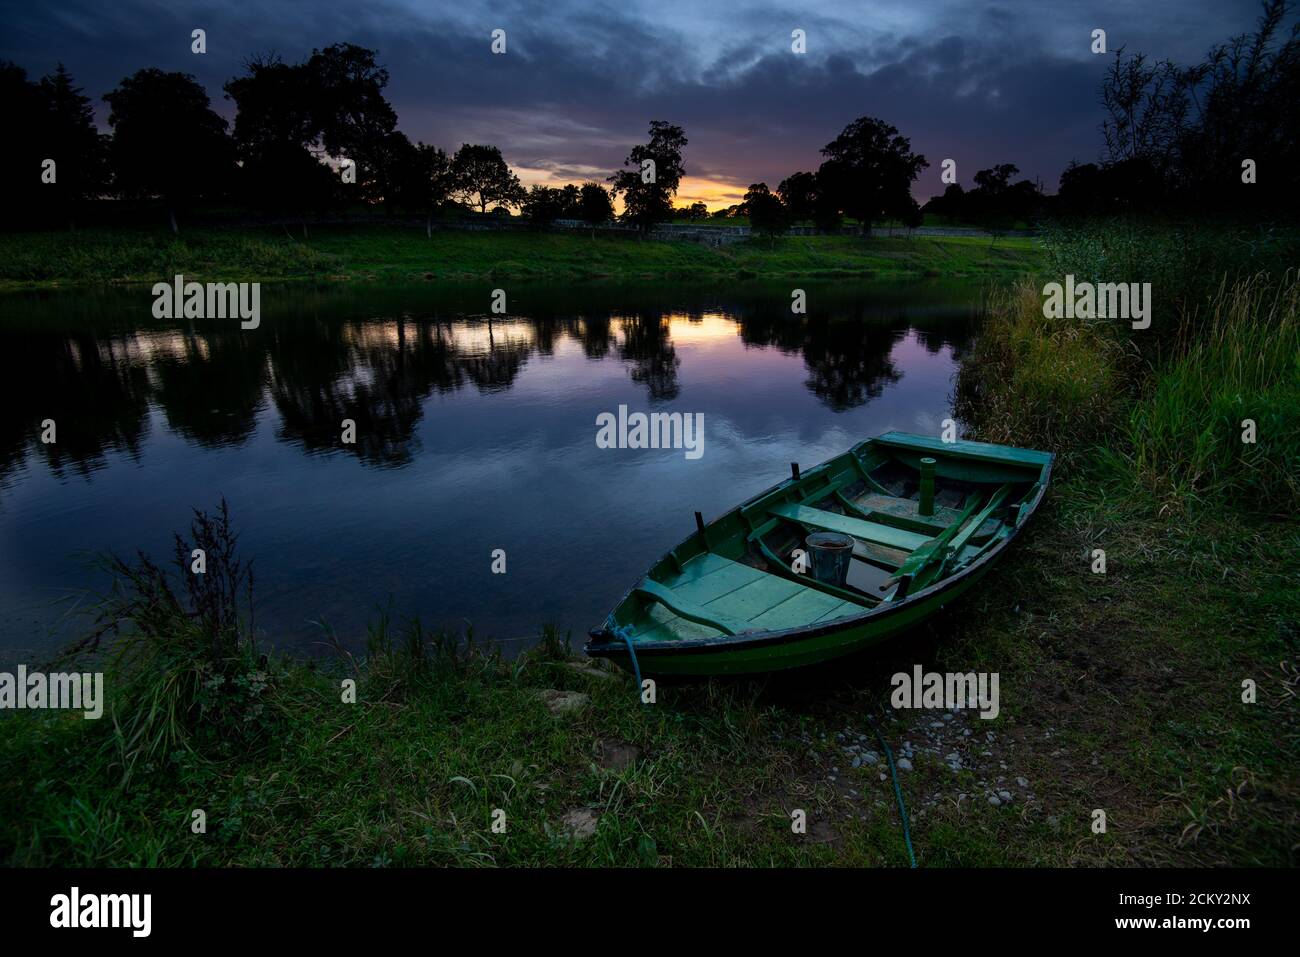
<point>627,640</point>
<point>898,792</point>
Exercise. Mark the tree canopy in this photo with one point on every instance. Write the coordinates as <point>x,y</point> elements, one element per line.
<point>151,112</point>
<point>869,170</point>
<point>653,174</point>
<point>482,178</point>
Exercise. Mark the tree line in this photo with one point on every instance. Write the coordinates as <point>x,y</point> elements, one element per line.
<point>319,135</point>
<point>308,138</point>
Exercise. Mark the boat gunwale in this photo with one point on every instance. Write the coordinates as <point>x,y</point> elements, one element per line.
<point>604,643</point>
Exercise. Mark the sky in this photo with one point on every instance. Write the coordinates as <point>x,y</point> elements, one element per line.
<point>980,83</point>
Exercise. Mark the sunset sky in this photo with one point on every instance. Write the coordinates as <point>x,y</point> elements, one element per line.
<point>981,83</point>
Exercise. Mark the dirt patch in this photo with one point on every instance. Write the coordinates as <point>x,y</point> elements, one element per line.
<point>617,755</point>
<point>563,702</point>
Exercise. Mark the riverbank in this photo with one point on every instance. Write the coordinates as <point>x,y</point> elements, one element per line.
<point>370,253</point>
<point>1159,690</point>
<point>1119,692</point>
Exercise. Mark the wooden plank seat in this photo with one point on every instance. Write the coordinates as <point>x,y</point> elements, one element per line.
<point>859,528</point>
<point>732,597</point>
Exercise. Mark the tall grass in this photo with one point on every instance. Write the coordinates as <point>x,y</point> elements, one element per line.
<point>183,662</point>
<point>1185,263</point>
<point>1040,382</point>
<point>1163,409</point>
<point>1236,364</point>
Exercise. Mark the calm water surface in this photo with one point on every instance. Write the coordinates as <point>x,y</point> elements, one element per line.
<point>472,435</point>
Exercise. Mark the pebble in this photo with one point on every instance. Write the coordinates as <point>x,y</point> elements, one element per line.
<point>1022,782</point>
<point>857,762</point>
<point>904,764</point>
<point>869,757</point>
<point>1005,795</point>
<point>993,799</point>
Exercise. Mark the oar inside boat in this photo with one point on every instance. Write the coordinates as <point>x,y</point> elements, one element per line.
<point>921,520</point>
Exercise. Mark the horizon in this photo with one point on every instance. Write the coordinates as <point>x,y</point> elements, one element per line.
<point>573,92</point>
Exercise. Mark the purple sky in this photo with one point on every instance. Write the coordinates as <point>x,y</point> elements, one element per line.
<point>981,83</point>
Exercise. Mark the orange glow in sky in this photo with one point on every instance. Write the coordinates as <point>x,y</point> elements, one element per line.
<point>713,193</point>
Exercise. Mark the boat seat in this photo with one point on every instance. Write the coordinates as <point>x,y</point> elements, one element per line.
<point>873,532</point>
<point>679,606</point>
<point>732,597</point>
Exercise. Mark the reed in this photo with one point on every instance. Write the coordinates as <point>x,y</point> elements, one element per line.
<point>1236,363</point>
<point>1162,410</point>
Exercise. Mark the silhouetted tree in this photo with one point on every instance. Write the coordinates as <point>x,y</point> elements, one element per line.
<point>654,174</point>
<point>595,207</point>
<point>277,137</point>
<point>869,171</point>
<point>48,121</point>
<point>543,205</point>
<point>767,214</point>
<point>482,177</point>
<point>425,181</point>
<point>69,137</point>
<point>20,159</point>
<point>913,217</point>
<point>157,118</point>
<point>951,203</point>
<point>355,120</point>
<point>570,198</point>
<point>1179,136</point>
<point>799,193</point>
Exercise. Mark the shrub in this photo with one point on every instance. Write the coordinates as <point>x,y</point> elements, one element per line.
<point>185,671</point>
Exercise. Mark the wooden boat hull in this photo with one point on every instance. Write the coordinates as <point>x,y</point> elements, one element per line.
<point>675,636</point>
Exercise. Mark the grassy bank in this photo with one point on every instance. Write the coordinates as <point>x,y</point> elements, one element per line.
<point>387,253</point>
<point>1121,691</point>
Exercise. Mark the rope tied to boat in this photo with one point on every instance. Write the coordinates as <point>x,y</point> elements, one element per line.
<point>898,792</point>
<point>636,667</point>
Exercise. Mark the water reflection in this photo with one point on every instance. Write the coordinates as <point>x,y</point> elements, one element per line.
<point>473,432</point>
<point>212,383</point>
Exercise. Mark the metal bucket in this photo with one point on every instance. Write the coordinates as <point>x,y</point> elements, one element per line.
<point>829,555</point>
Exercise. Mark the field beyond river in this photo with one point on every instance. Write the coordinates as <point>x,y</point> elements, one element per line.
<point>369,253</point>
<point>1158,687</point>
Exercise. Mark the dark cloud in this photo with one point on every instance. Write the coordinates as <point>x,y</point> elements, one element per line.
<point>1001,82</point>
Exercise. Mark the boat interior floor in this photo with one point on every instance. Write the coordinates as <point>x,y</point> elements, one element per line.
<point>751,583</point>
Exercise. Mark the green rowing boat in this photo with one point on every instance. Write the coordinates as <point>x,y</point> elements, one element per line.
<point>849,553</point>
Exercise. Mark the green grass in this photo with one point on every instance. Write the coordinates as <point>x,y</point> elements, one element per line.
<point>1162,409</point>
<point>1120,691</point>
<point>387,253</point>
<point>1140,669</point>
<point>1241,366</point>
